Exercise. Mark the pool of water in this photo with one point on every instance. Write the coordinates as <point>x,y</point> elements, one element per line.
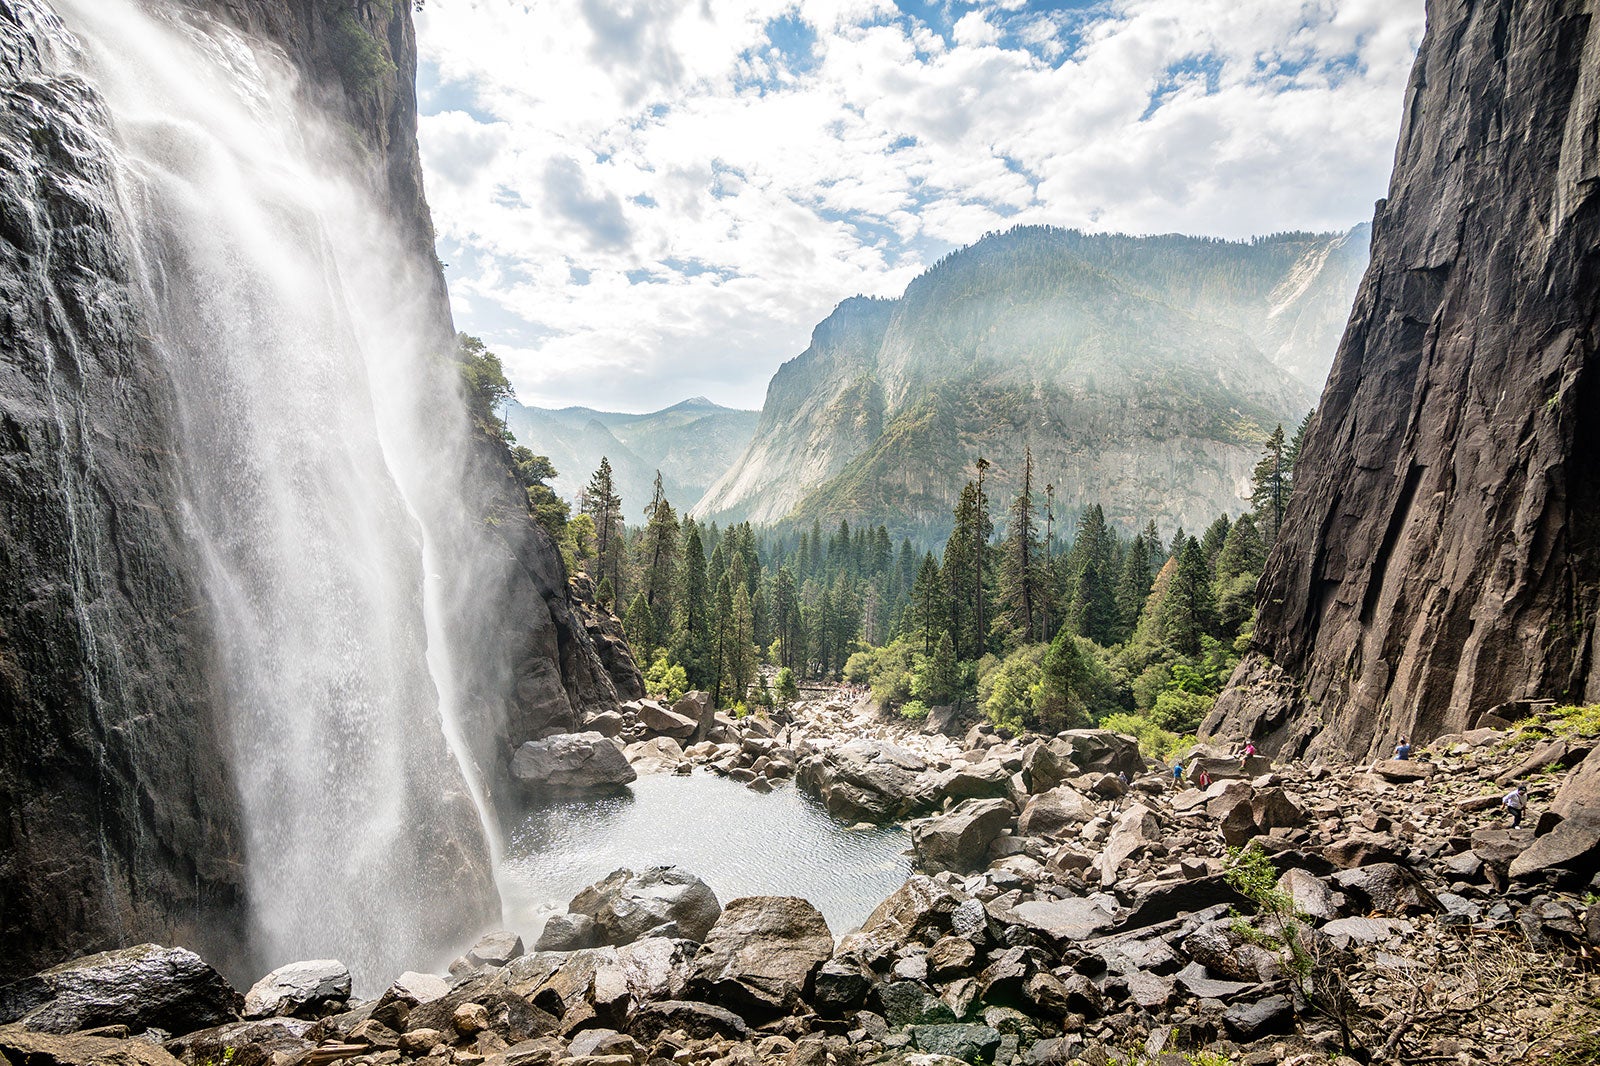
<point>739,842</point>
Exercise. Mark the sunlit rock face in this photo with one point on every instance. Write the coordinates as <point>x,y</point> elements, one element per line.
<point>1439,557</point>
<point>1142,373</point>
<point>273,613</point>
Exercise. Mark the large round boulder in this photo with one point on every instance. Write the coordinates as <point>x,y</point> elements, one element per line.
<point>572,762</point>
<point>959,841</point>
<point>760,957</point>
<point>311,988</point>
<point>143,987</point>
<point>661,901</point>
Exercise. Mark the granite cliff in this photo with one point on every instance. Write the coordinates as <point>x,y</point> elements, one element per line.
<point>1143,372</point>
<point>124,818</point>
<point>1439,558</point>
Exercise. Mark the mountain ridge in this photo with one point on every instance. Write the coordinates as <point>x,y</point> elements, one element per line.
<point>1053,340</point>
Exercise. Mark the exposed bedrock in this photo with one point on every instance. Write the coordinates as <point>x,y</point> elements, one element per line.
<point>1439,558</point>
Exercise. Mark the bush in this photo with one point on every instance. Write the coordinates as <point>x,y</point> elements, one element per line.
<point>914,710</point>
<point>1156,743</point>
<point>1007,690</point>
<point>785,690</point>
<point>1180,711</point>
<point>665,679</point>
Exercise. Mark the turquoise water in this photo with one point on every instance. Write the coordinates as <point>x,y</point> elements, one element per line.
<point>739,842</point>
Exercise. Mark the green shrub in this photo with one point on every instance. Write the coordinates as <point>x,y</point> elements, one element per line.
<point>361,63</point>
<point>914,710</point>
<point>1156,743</point>
<point>665,679</point>
<point>785,690</point>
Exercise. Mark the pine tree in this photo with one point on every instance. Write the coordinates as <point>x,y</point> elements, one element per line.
<point>937,678</point>
<point>1058,701</point>
<point>1133,585</point>
<point>960,572</point>
<point>658,553</point>
<point>600,502</point>
<point>1092,611</point>
<point>984,531</point>
<point>640,627</point>
<point>1270,485</point>
<point>1211,544</point>
<point>787,624</point>
<point>927,606</point>
<point>692,626</point>
<point>1189,611</point>
<point>722,642</point>
<point>1020,560</point>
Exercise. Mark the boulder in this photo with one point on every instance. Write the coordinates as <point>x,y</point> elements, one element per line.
<point>311,988</point>
<point>1402,771</point>
<point>413,988</point>
<point>1580,792</point>
<point>1224,950</point>
<point>701,1021</point>
<point>840,986</point>
<point>760,956</point>
<point>606,723</point>
<point>143,987</point>
<point>1272,1014</point>
<point>1134,828</point>
<point>1389,888</point>
<point>661,901</point>
<point>969,1043</point>
<point>697,707</point>
<point>922,909</point>
<point>662,722</point>
<point>1066,920</point>
<point>861,781</point>
<point>959,841</point>
<point>495,949</point>
<point>983,780</point>
<point>572,762</point>
<point>1346,931</point>
<point>1500,846</point>
<point>1572,846</point>
<point>1311,895</point>
<point>25,1048</point>
<point>249,1042</point>
<point>568,932</point>
<point>1274,808</point>
<point>1229,769</point>
<point>1056,812</point>
<point>1359,849</point>
<point>658,755</point>
<point>1160,901</point>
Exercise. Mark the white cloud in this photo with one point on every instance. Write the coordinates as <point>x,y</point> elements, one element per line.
<point>646,199</point>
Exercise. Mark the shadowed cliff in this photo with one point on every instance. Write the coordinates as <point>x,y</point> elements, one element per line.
<point>1439,557</point>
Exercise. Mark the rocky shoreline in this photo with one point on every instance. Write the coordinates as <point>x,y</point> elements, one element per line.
<point>1071,905</point>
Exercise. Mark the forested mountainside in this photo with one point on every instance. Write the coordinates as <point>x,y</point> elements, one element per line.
<point>1440,558</point>
<point>691,443</point>
<point>226,538</point>
<point>1144,373</point>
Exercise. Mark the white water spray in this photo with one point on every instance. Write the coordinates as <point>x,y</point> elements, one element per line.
<point>322,449</point>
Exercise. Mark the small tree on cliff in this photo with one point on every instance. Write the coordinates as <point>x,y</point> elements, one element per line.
<point>1270,486</point>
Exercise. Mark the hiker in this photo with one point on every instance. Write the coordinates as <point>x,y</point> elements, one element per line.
<point>1402,750</point>
<point>1177,772</point>
<point>1205,778</point>
<point>1516,802</point>
<point>1249,750</point>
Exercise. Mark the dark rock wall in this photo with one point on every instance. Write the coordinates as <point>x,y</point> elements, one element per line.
<point>118,820</point>
<point>1439,557</point>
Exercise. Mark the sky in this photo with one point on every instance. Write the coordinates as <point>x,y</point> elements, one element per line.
<point>639,201</point>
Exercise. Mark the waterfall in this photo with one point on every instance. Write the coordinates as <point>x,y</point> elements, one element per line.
<point>322,450</point>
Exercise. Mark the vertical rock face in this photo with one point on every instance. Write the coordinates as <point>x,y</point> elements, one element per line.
<point>121,814</point>
<point>1440,556</point>
<point>100,843</point>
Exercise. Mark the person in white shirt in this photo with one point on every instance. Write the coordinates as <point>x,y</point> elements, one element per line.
<point>1516,802</point>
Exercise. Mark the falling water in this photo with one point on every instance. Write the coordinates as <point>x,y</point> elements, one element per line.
<point>320,449</point>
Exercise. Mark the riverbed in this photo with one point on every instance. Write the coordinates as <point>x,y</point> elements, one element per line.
<point>739,842</point>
